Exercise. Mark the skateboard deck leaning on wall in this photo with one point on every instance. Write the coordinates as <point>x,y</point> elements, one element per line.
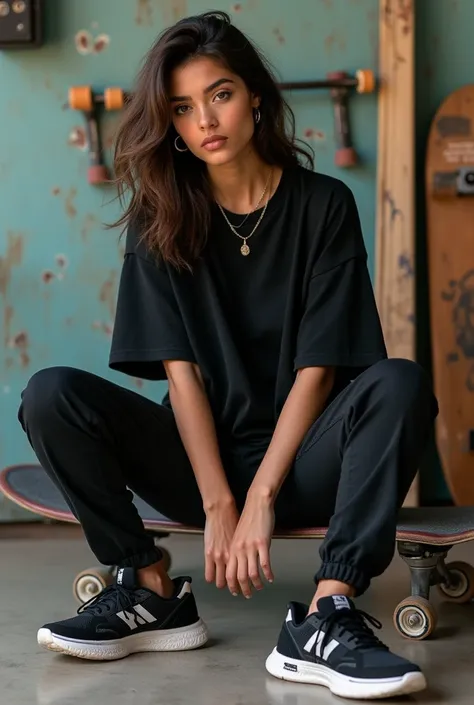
<point>450,246</point>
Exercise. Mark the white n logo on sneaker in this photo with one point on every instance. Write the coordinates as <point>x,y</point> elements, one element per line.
<point>137,618</point>
<point>318,640</point>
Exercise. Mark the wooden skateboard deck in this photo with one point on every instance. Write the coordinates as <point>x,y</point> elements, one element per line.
<point>424,538</point>
<point>450,244</point>
<point>31,488</point>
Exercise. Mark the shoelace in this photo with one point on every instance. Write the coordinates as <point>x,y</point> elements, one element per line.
<point>113,599</point>
<point>355,622</point>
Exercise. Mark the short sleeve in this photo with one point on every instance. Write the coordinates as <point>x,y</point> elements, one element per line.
<point>148,327</point>
<point>340,325</point>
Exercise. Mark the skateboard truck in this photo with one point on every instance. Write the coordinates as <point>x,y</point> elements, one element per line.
<point>340,84</point>
<point>459,182</point>
<point>346,156</point>
<point>82,98</point>
<point>415,617</point>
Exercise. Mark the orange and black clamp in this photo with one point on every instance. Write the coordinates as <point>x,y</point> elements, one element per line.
<point>340,83</point>
<point>82,98</point>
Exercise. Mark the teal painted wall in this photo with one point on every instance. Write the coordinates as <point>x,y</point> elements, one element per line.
<point>59,269</point>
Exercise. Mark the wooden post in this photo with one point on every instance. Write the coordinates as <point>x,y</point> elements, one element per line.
<point>395,218</point>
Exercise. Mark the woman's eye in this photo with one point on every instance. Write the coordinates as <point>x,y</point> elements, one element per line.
<point>222,95</point>
<point>181,109</point>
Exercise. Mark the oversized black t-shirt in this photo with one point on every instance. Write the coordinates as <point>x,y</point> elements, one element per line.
<point>301,298</point>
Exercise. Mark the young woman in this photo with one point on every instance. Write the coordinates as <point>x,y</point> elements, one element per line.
<point>245,285</point>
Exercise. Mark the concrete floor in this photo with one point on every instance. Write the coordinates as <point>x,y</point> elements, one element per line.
<point>36,580</point>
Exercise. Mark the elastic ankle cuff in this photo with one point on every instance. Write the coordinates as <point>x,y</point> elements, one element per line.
<point>141,560</point>
<point>345,574</point>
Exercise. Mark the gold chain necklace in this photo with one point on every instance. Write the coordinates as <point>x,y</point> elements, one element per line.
<point>245,249</point>
<point>257,204</point>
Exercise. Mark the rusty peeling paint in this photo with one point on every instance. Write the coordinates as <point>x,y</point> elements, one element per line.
<point>101,43</point>
<point>78,138</point>
<point>107,293</point>
<point>237,7</point>
<point>90,220</point>
<point>47,276</point>
<point>7,320</point>
<point>84,42</point>
<point>55,190</point>
<point>138,382</point>
<point>279,36</point>
<point>61,261</point>
<point>312,134</point>
<point>103,326</point>
<point>69,203</point>
<point>12,258</point>
<point>144,13</point>
<point>173,10</point>
<point>21,342</point>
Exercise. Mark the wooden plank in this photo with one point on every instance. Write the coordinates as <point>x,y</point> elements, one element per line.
<point>395,226</point>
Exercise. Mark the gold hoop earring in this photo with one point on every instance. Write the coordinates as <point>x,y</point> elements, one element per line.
<point>257,116</point>
<point>176,145</point>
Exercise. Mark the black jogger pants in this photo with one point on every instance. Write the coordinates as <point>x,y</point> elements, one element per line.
<point>98,441</point>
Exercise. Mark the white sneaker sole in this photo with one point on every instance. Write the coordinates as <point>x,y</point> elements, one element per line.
<point>339,684</point>
<point>179,639</point>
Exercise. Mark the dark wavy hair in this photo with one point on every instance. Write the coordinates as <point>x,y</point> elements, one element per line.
<point>169,190</point>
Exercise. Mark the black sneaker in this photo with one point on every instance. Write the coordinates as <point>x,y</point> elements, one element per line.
<point>335,647</point>
<point>126,618</point>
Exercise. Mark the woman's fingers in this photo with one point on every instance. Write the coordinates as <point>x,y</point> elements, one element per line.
<point>264,557</point>
<point>209,568</point>
<point>243,574</point>
<point>253,571</point>
<point>220,572</point>
<point>231,574</point>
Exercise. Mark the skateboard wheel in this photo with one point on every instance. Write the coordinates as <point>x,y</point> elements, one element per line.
<point>346,157</point>
<point>461,587</point>
<point>415,618</point>
<point>89,583</point>
<point>365,81</point>
<point>98,174</point>
<point>80,98</point>
<point>113,98</point>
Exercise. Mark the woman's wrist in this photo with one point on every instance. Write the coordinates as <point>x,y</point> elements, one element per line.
<point>218,502</point>
<point>262,492</point>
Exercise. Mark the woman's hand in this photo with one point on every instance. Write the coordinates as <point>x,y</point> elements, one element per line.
<point>221,522</point>
<point>250,547</point>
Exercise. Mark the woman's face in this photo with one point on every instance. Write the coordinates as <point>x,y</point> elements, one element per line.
<point>210,101</point>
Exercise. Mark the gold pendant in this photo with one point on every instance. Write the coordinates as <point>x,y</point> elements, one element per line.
<point>245,249</point>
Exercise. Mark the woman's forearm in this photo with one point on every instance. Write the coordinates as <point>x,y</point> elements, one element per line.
<point>303,405</point>
<point>197,431</point>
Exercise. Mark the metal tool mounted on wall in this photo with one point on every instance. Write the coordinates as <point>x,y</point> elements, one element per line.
<point>21,24</point>
<point>339,83</point>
